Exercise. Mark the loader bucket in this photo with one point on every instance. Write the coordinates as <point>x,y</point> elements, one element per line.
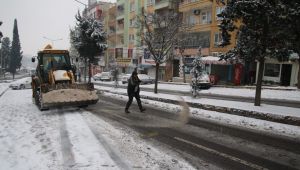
<point>73,95</point>
<point>69,97</point>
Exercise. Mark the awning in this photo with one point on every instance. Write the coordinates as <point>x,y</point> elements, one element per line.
<point>214,60</point>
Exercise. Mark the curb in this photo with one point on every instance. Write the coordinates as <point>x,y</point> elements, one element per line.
<point>238,87</point>
<point>290,120</point>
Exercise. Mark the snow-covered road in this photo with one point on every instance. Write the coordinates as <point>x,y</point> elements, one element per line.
<point>70,138</point>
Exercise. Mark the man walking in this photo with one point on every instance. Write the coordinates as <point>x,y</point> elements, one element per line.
<point>133,90</point>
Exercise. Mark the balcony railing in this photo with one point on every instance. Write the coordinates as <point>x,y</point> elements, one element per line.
<point>162,4</point>
<point>120,14</point>
<point>188,2</point>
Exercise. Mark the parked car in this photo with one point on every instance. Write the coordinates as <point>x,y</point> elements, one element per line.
<point>203,81</point>
<point>26,84</point>
<point>125,78</point>
<point>146,79</point>
<point>97,76</point>
<point>104,76</point>
<point>143,77</point>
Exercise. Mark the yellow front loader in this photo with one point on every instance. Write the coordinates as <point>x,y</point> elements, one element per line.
<point>54,83</point>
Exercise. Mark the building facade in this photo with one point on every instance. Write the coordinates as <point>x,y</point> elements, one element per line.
<point>126,51</point>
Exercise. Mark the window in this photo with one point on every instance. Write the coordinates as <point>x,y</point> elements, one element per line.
<point>149,2</point>
<point>119,52</point>
<point>130,53</point>
<point>132,7</point>
<point>131,37</point>
<point>218,39</point>
<point>132,22</point>
<point>206,17</point>
<point>272,70</point>
<point>218,11</point>
<point>190,19</point>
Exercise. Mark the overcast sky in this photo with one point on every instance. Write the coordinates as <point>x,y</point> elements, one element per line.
<point>37,19</point>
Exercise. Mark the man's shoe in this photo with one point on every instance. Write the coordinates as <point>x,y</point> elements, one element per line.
<point>142,109</point>
<point>127,111</point>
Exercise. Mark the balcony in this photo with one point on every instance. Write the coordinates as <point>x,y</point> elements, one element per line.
<point>112,22</point>
<point>194,4</point>
<point>120,31</point>
<point>160,4</point>
<point>120,15</point>
<point>184,2</point>
<point>120,11</point>
<point>111,33</point>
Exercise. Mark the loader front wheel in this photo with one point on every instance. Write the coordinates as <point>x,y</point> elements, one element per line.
<point>38,101</point>
<point>83,106</point>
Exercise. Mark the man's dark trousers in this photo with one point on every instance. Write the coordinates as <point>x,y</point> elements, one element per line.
<point>137,97</point>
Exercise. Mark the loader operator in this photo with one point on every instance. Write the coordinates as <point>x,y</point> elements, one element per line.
<point>55,63</point>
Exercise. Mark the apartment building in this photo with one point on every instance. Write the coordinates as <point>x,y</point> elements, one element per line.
<point>127,50</point>
<point>111,36</point>
<point>200,17</point>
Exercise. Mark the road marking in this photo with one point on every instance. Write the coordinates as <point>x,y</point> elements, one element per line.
<point>66,146</point>
<point>254,166</point>
<point>106,146</point>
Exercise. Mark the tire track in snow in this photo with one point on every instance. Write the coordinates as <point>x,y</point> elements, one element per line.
<point>3,92</point>
<point>107,147</point>
<point>66,146</point>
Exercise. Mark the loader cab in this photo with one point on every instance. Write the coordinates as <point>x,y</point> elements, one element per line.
<point>53,60</point>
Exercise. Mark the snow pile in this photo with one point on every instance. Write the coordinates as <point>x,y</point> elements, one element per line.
<point>69,95</point>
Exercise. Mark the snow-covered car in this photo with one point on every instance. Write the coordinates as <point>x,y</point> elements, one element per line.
<point>104,76</point>
<point>97,76</point>
<point>203,81</point>
<point>26,84</point>
<point>125,78</point>
<point>146,79</point>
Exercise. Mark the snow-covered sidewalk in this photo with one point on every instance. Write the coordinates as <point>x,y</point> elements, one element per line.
<point>288,93</point>
<point>264,108</point>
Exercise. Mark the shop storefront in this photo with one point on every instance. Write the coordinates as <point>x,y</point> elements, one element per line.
<point>280,73</point>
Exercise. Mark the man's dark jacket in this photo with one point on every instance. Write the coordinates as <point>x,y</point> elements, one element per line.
<point>133,85</point>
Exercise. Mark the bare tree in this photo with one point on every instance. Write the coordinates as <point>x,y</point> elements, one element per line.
<point>159,34</point>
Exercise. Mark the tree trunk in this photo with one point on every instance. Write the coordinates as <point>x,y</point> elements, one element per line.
<point>259,82</point>
<point>183,68</point>
<point>90,71</point>
<point>156,77</point>
<point>246,78</point>
<point>298,83</point>
<point>85,61</point>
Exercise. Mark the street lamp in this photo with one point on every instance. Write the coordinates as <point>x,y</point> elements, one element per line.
<point>52,40</point>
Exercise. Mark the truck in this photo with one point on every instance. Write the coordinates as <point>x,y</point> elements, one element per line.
<point>54,83</point>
